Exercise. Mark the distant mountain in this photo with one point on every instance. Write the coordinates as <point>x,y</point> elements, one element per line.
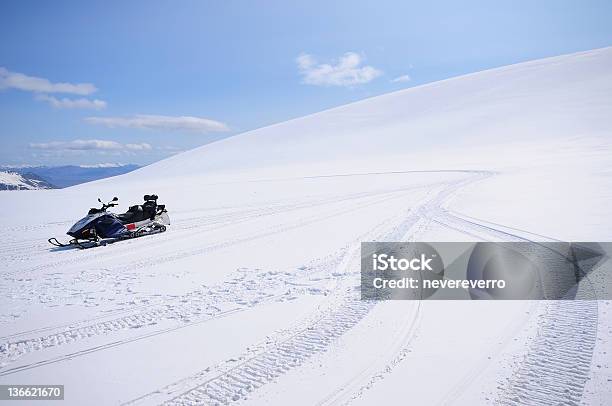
<point>68,175</point>
<point>25,181</point>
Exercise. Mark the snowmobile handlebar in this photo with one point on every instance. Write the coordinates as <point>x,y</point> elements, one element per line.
<point>106,205</point>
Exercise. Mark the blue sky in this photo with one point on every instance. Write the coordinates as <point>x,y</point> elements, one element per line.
<point>133,82</point>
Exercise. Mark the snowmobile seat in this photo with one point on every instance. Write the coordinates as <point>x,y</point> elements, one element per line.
<point>133,215</point>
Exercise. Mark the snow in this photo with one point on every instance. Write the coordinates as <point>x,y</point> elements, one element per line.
<point>252,294</point>
<point>13,180</point>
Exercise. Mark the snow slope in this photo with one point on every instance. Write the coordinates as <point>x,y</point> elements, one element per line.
<point>251,296</point>
<point>530,105</point>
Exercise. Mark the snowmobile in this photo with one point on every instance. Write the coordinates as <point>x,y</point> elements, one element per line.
<point>101,227</point>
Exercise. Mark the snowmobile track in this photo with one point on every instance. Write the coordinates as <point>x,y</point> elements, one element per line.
<point>185,309</point>
<point>236,382</point>
<point>288,354</point>
<point>557,365</point>
<point>194,305</point>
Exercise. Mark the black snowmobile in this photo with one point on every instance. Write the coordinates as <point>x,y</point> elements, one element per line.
<point>100,227</point>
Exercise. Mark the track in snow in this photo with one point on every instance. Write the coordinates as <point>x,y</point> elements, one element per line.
<point>557,364</point>
<point>197,305</point>
<point>228,382</point>
<point>556,367</point>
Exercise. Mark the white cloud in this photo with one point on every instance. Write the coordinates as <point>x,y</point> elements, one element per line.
<point>20,81</point>
<point>66,103</point>
<point>138,147</point>
<point>346,72</point>
<point>402,79</point>
<point>90,145</point>
<point>77,145</point>
<point>152,122</point>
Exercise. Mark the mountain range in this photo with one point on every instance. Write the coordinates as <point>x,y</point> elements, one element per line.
<point>57,177</point>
